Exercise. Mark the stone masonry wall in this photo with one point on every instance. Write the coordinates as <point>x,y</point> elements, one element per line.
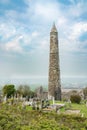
<point>54,89</point>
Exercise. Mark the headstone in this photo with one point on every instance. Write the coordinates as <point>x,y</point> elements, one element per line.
<point>53,101</point>
<point>5,98</point>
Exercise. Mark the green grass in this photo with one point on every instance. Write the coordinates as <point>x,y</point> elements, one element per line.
<point>51,102</point>
<point>82,107</point>
<point>28,107</point>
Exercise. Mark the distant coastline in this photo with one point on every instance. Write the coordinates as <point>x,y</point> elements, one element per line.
<point>66,82</point>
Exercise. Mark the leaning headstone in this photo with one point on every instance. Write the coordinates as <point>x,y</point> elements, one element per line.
<point>5,98</point>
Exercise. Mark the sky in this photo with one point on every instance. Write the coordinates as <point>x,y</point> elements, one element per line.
<point>25,38</point>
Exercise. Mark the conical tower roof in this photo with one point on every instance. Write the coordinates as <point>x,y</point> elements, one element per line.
<point>54,28</point>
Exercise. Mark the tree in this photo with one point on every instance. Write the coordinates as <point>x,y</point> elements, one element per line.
<point>23,90</point>
<point>9,90</point>
<point>26,90</point>
<point>20,90</point>
<point>85,92</point>
<point>32,94</point>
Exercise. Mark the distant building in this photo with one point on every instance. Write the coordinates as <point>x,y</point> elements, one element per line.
<point>54,85</point>
<point>41,94</point>
<point>66,93</point>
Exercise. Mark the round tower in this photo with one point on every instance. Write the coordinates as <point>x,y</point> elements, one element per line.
<point>54,85</point>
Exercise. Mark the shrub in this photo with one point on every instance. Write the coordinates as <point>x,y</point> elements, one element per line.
<point>14,118</point>
<point>75,98</point>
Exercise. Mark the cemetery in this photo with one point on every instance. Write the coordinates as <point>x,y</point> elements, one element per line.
<point>20,112</point>
<point>20,115</point>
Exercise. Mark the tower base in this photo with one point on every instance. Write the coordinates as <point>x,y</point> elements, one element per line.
<point>58,94</point>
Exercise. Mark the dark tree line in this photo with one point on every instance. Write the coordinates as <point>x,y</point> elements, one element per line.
<point>22,90</point>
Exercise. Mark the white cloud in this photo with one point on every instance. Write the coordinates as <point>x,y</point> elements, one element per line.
<point>35,34</point>
<point>77,29</point>
<point>28,32</point>
<point>13,45</point>
<point>7,30</point>
<point>43,45</point>
<point>47,12</point>
<point>69,31</point>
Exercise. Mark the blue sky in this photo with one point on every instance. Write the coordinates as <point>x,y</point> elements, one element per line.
<point>24,37</point>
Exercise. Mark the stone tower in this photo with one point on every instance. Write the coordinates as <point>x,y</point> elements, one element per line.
<point>54,85</point>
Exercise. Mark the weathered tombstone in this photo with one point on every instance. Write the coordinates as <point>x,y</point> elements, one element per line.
<point>53,101</point>
<point>33,105</point>
<point>47,103</point>
<point>5,98</point>
<point>37,103</point>
<point>42,104</point>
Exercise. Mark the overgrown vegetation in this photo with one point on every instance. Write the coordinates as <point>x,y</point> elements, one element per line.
<point>75,98</point>
<point>14,117</point>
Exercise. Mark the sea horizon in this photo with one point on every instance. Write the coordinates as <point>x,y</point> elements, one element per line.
<point>66,82</point>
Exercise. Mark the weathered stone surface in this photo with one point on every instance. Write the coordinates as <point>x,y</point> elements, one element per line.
<point>54,86</point>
